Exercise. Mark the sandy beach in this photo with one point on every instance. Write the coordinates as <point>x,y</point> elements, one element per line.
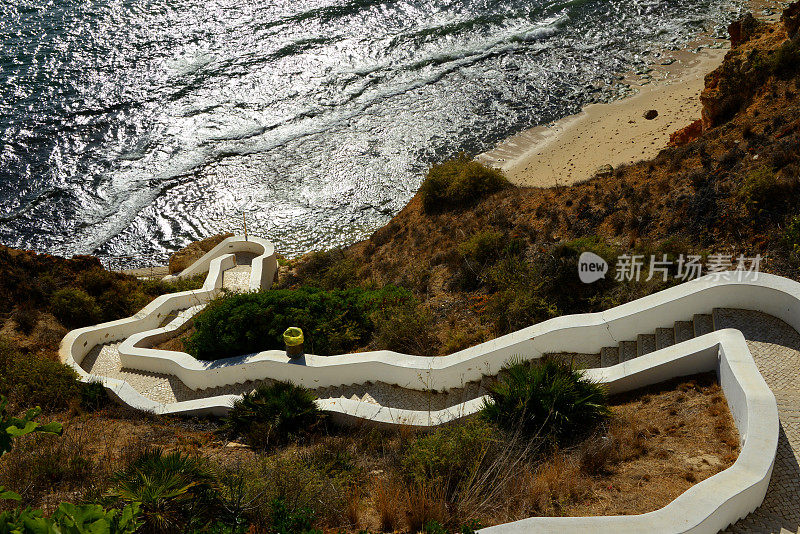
<point>572,149</point>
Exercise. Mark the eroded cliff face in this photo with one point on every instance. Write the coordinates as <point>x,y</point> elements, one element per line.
<point>758,51</point>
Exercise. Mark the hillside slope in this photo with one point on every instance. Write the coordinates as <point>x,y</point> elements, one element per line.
<point>728,185</point>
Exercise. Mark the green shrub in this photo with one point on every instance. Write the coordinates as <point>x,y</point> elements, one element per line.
<point>160,287</point>
<point>518,300</point>
<point>75,307</point>
<point>406,329</point>
<point>762,189</point>
<point>483,247</point>
<point>12,428</point>
<point>557,274</point>
<point>287,521</point>
<point>26,318</point>
<point>175,492</point>
<point>449,456</point>
<point>786,59</point>
<point>547,400</point>
<point>29,379</point>
<point>459,183</point>
<point>519,307</point>
<point>333,322</point>
<point>273,414</point>
<point>331,457</point>
<point>302,483</point>
<point>476,255</point>
<point>327,269</point>
<point>525,292</point>
<point>434,527</point>
<point>94,396</point>
<point>96,295</point>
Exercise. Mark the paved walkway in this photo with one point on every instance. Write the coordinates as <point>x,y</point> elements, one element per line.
<point>237,278</point>
<point>776,349</point>
<point>104,360</point>
<point>774,344</point>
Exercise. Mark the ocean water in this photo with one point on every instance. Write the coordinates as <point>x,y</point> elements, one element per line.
<point>131,127</point>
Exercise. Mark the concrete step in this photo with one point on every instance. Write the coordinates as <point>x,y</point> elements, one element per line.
<point>703,324</point>
<point>684,331</point>
<point>665,337</point>
<point>169,317</point>
<point>717,317</point>
<point>609,356</point>
<point>627,351</point>
<point>576,360</point>
<point>645,344</point>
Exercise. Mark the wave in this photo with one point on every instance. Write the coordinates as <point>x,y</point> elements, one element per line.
<point>128,119</point>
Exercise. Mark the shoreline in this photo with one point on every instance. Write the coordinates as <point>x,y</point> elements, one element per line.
<point>576,147</point>
<point>573,148</point>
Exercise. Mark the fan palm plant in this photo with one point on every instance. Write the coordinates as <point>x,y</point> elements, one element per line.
<point>273,414</point>
<point>549,399</point>
<point>175,492</point>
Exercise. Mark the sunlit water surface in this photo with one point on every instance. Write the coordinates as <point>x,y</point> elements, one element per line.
<point>132,127</point>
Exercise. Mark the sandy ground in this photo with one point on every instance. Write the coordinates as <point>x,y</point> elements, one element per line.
<point>572,149</point>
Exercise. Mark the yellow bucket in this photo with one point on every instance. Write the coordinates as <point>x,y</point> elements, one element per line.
<point>293,338</point>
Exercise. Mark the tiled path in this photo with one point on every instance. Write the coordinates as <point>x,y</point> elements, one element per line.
<point>104,360</point>
<point>776,349</point>
<point>237,278</point>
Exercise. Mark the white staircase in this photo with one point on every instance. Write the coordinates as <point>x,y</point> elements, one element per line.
<point>644,343</point>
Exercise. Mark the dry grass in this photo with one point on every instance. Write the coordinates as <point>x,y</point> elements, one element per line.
<point>626,467</point>
<point>663,440</point>
<point>389,504</point>
<point>425,502</point>
<point>659,442</point>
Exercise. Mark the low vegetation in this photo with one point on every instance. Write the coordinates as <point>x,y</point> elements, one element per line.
<point>302,476</point>
<point>459,183</point>
<point>37,380</point>
<point>79,292</point>
<point>333,321</point>
<point>12,428</point>
<point>548,400</point>
<point>763,191</point>
<point>273,415</point>
<point>173,492</point>
<point>72,519</point>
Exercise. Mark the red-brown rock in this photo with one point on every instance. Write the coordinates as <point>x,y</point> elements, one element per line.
<point>686,134</point>
<point>743,29</point>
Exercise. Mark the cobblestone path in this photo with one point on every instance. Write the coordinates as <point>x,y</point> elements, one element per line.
<point>776,349</point>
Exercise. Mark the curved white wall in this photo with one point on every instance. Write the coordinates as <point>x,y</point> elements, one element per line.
<point>706,507</point>
<point>586,333</point>
<point>264,265</point>
<point>77,343</point>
